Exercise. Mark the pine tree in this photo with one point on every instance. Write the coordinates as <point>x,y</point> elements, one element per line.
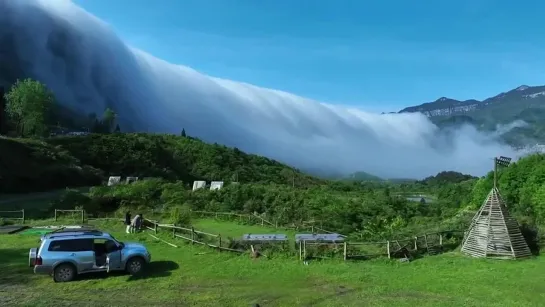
<point>183,133</point>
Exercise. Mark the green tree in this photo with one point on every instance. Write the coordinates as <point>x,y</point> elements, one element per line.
<point>108,119</point>
<point>183,132</point>
<point>28,104</point>
<point>3,117</point>
<point>117,129</point>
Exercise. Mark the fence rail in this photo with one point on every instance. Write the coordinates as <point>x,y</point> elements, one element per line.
<point>264,222</point>
<point>191,235</point>
<point>9,215</point>
<point>306,249</point>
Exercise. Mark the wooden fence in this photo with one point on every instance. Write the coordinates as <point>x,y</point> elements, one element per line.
<point>426,243</point>
<point>191,235</point>
<point>259,220</point>
<point>14,215</point>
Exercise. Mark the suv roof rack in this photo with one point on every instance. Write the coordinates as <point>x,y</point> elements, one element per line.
<point>72,229</point>
<point>93,232</point>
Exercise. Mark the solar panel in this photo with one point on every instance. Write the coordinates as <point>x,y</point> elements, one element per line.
<point>503,161</point>
<point>131,179</point>
<point>265,237</point>
<point>330,237</point>
<point>216,185</point>
<point>198,184</point>
<point>114,180</point>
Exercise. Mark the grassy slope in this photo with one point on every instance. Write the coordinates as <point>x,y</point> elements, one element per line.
<point>198,276</point>
<point>176,157</point>
<point>32,165</point>
<point>233,229</point>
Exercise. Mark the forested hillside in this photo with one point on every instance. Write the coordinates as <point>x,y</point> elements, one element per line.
<point>364,207</point>
<point>370,210</point>
<point>32,165</point>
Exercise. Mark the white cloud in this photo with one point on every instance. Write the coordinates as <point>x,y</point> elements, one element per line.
<point>93,68</point>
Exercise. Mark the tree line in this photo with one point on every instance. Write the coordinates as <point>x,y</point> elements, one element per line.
<point>29,109</point>
<point>264,186</point>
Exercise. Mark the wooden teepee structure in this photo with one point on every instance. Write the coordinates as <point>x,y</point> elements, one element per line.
<point>493,232</point>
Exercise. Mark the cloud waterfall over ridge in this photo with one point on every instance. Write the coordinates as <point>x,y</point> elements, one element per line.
<point>88,68</point>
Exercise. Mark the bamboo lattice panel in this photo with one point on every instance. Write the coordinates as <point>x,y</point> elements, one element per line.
<point>494,233</point>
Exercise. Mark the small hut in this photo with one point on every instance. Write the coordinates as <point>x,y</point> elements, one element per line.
<point>493,232</point>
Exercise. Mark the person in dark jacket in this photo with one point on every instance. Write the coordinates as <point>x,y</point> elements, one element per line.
<point>140,222</point>
<point>128,221</point>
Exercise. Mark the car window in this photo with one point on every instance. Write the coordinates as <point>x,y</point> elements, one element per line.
<point>108,245</point>
<point>71,245</point>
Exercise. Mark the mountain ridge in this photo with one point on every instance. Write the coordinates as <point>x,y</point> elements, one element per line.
<point>525,103</point>
<point>529,92</point>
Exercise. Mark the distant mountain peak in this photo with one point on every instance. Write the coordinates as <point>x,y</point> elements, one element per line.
<point>443,99</point>
<point>522,88</point>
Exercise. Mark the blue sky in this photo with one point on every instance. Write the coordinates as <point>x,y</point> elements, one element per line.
<point>380,55</point>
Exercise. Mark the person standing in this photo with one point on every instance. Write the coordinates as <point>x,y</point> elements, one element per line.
<point>136,222</point>
<point>140,222</point>
<point>128,221</point>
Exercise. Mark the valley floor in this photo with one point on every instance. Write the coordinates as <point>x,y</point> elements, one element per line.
<point>198,276</point>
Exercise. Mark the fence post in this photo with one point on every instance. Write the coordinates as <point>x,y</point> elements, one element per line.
<point>300,250</point>
<point>192,235</point>
<point>174,231</point>
<point>23,212</point>
<point>304,250</point>
<point>262,223</point>
<point>276,224</point>
<point>219,243</point>
<point>415,243</point>
<point>344,251</point>
<point>441,240</point>
<point>312,228</point>
<point>83,216</point>
<point>155,226</point>
<point>388,248</point>
<point>55,215</point>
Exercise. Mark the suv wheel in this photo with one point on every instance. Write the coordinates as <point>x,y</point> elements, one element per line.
<point>64,273</point>
<point>135,266</point>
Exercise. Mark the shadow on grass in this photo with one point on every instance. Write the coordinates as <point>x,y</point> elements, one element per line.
<point>157,269</point>
<point>14,266</point>
<point>531,235</point>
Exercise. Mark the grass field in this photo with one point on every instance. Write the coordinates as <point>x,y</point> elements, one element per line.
<point>35,204</point>
<point>199,276</point>
<point>234,229</point>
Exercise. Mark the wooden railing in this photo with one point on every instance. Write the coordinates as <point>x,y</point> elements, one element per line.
<point>8,215</point>
<point>191,235</point>
<point>425,243</point>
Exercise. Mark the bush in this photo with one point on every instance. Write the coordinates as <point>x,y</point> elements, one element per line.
<point>32,166</point>
<point>70,199</point>
<point>180,215</point>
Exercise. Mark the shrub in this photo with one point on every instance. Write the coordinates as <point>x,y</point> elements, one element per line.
<point>180,215</point>
<point>70,199</point>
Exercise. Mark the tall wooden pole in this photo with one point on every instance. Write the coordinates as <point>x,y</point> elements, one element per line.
<point>495,171</point>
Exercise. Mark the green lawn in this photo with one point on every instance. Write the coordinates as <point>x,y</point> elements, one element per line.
<point>36,205</point>
<point>199,276</point>
<point>235,230</point>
